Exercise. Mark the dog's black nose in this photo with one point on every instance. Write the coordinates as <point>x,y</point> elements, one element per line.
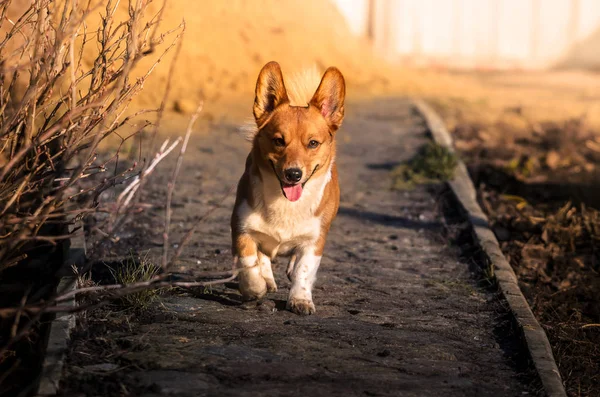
<point>293,174</point>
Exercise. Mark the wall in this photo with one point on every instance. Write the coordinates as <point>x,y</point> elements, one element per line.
<point>481,33</point>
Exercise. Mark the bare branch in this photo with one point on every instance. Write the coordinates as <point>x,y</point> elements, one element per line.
<point>171,185</point>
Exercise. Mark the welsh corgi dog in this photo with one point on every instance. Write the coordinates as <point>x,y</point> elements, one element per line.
<point>289,193</point>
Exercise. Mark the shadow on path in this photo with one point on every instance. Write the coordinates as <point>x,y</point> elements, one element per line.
<point>387,219</point>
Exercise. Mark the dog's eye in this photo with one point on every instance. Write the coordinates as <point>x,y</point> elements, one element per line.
<point>313,144</point>
<point>279,142</point>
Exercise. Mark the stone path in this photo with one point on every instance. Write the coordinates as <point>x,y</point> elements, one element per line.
<point>398,313</point>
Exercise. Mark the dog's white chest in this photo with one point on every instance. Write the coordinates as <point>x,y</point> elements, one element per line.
<point>280,226</point>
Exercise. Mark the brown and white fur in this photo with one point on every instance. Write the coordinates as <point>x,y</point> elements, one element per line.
<point>289,194</point>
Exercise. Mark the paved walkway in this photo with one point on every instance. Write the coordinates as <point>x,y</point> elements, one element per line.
<point>397,312</point>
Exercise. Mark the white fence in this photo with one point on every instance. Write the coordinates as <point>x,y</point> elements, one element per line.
<point>481,33</point>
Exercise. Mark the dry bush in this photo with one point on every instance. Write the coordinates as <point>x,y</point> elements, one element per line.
<point>55,111</point>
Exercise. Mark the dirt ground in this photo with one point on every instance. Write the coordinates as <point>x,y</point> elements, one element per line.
<point>398,310</point>
<point>538,183</point>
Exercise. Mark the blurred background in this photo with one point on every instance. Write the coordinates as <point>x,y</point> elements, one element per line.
<point>481,34</point>
<point>540,56</point>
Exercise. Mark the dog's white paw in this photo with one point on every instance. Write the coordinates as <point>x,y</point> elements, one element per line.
<point>252,284</point>
<point>301,306</point>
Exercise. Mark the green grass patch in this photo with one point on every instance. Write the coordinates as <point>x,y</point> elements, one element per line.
<point>432,164</point>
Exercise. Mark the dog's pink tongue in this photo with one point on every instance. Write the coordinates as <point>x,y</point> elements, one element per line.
<point>293,192</point>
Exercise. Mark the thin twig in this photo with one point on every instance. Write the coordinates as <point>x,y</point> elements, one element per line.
<point>114,291</point>
<point>15,326</point>
<point>590,325</point>
<point>171,185</point>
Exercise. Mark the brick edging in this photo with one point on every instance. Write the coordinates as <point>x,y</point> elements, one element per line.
<point>535,338</point>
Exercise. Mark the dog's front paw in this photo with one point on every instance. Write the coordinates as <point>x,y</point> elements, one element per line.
<point>252,285</point>
<point>301,306</point>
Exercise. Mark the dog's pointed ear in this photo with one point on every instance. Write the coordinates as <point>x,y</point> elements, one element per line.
<point>329,98</point>
<point>270,91</point>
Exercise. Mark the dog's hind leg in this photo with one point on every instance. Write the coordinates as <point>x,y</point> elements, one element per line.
<point>267,272</point>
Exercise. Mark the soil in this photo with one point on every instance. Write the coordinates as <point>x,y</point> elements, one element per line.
<point>539,188</point>
<point>399,311</point>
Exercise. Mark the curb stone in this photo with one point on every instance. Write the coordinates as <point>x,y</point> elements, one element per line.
<point>62,325</point>
<point>535,338</point>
